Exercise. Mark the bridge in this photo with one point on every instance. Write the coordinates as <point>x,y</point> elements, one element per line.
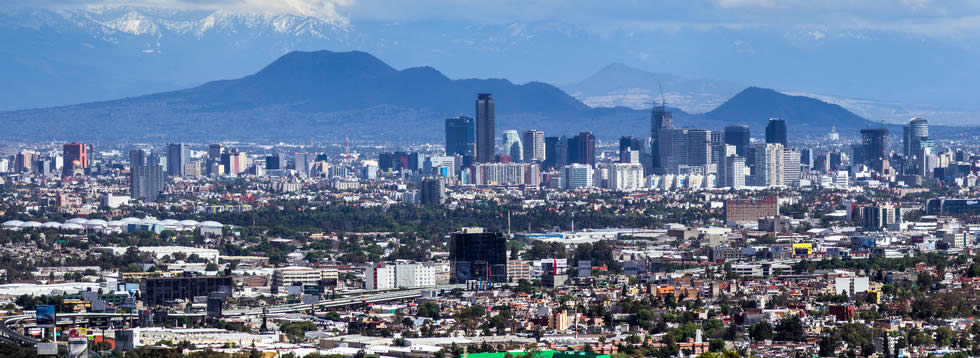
<point>377,296</point>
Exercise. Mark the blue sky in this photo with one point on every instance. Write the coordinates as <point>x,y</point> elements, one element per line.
<point>902,50</point>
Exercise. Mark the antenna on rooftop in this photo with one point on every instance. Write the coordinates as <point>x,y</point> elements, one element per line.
<point>663,99</point>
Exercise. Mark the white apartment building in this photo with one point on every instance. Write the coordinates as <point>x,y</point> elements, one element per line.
<point>626,177</point>
<point>399,275</point>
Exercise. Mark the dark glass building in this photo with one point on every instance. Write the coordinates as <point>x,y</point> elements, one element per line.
<point>478,255</point>
<point>739,136</point>
<point>460,135</point>
<point>874,143</point>
<point>585,144</point>
<point>660,119</point>
<point>485,131</point>
<point>776,131</point>
<point>158,291</point>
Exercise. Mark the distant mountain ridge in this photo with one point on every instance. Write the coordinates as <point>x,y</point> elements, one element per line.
<point>620,85</point>
<point>321,93</point>
<point>804,115</point>
<point>308,95</point>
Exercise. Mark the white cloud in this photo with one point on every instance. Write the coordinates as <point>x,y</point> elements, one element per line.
<point>327,10</point>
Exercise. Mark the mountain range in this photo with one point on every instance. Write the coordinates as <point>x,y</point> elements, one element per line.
<point>620,85</point>
<point>323,94</point>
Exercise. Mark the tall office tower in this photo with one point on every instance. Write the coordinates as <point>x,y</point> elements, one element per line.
<point>791,167</point>
<point>552,152</point>
<point>75,158</point>
<point>585,154</point>
<point>673,150</point>
<point>569,150</point>
<point>477,255</point>
<point>776,131</point>
<point>513,146</point>
<point>460,135</point>
<point>629,156</point>
<point>273,162</point>
<point>214,152</point>
<point>235,162</point>
<point>178,154</point>
<point>699,145</point>
<point>806,158</point>
<point>768,165</point>
<point>836,159</point>
<point>433,191</point>
<point>577,175</point>
<point>660,119</point>
<point>145,176</point>
<point>632,143</point>
<point>739,137</point>
<point>875,145</point>
<point>914,131</point>
<point>534,147</point>
<point>485,130</point>
<point>734,172</point>
<point>214,158</point>
<point>302,162</point>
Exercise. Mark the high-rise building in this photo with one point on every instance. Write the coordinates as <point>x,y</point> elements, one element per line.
<point>302,163</point>
<point>145,176</point>
<point>738,136</point>
<point>460,135</point>
<point>534,147</point>
<point>734,172</point>
<point>879,217</point>
<point>485,130</point>
<point>577,175</point>
<point>273,162</point>
<point>433,191</point>
<point>660,119</point>
<point>791,167</point>
<point>513,146</point>
<point>914,131</point>
<point>699,145</point>
<point>477,255</point>
<point>776,131</point>
<point>234,162</point>
<point>874,144</point>
<point>806,158</point>
<point>75,157</point>
<point>768,165</point>
<point>178,154</point>
<point>552,152</point>
<point>626,177</point>
<point>585,144</point>
<point>506,174</point>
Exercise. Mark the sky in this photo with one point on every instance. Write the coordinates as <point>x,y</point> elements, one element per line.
<point>895,50</point>
<point>940,19</point>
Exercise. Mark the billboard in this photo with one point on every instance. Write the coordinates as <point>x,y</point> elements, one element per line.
<point>77,347</point>
<point>44,316</point>
<point>47,349</point>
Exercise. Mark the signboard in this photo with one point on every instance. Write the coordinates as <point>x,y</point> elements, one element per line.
<point>47,349</point>
<point>200,299</point>
<point>124,340</point>
<point>44,316</point>
<point>77,347</point>
<point>311,299</point>
<point>311,290</point>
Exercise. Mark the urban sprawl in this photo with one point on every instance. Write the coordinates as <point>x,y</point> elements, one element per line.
<point>677,242</point>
